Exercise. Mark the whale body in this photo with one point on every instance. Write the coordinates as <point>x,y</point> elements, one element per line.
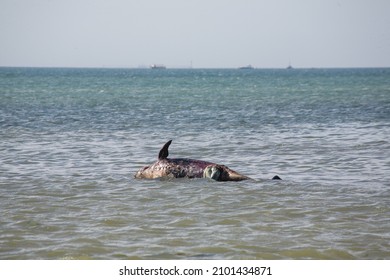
<point>165,167</point>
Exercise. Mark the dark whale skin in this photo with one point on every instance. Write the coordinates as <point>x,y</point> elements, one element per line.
<point>184,168</point>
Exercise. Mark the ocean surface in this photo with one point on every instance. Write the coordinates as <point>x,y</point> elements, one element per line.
<point>71,141</point>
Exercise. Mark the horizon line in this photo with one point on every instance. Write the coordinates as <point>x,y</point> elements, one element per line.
<point>199,68</point>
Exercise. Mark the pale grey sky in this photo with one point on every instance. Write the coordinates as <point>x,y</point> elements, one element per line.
<point>210,33</point>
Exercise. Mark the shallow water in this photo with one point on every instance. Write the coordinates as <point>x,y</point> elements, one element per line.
<point>72,139</point>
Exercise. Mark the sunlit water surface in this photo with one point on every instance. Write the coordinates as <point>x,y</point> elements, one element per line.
<point>72,139</point>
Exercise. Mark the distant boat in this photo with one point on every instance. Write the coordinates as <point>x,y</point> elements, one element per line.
<point>157,66</point>
<point>248,67</point>
<point>289,67</point>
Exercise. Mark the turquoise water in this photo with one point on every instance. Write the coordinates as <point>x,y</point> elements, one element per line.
<point>72,139</point>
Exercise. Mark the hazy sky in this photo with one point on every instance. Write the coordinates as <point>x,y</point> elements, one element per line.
<point>210,33</point>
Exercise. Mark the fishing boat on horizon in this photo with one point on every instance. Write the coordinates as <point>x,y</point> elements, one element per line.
<point>158,66</point>
<point>247,67</point>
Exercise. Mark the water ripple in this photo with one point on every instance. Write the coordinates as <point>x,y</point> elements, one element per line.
<point>71,141</point>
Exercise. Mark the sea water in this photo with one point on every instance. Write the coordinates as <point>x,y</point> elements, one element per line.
<point>71,141</point>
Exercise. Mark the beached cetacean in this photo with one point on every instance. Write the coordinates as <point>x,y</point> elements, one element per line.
<point>187,168</point>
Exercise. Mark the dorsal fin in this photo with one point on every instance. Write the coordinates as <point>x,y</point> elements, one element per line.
<point>164,150</point>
